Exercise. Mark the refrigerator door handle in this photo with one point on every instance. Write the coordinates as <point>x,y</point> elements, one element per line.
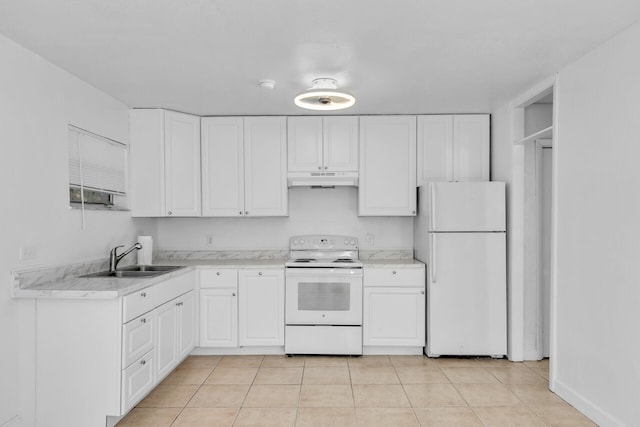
<point>433,258</point>
<point>432,189</point>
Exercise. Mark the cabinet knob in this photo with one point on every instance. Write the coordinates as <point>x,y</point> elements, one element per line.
<point>326,167</point>
<point>240,212</point>
<point>393,272</point>
<point>413,212</point>
<point>233,294</point>
<point>143,294</point>
<point>246,212</point>
<point>143,320</point>
<point>143,362</point>
<point>259,273</point>
<point>422,292</point>
<point>217,273</point>
<point>319,167</point>
<point>170,213</point>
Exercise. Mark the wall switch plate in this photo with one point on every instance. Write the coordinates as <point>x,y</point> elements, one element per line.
<point>210,240</point>
<point>27,252</point>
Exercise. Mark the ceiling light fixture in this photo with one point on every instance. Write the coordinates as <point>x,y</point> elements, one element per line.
<point>324,95</point>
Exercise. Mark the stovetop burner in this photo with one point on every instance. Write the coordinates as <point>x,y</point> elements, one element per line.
<point>305,260</point>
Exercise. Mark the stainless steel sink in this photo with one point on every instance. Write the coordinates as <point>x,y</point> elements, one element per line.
<point>134,271</point>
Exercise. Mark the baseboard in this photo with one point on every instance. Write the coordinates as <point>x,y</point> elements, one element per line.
<point>392,351</point>
<point>586,406</point>
<point>215,351</point>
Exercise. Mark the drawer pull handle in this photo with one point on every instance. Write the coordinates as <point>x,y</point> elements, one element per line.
<point>143,320</point>
<point>143,362</point>
<point>143,294</point>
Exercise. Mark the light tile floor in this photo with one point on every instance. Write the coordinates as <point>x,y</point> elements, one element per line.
<point>370,391</point>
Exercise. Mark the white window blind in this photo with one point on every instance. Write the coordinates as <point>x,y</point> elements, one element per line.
<point>96,163</point>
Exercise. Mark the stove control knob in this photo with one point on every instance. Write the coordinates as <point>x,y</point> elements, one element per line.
<point>302,242</point>
<point>353,243</point>
<point>346,242</point>
<point>295,242</point>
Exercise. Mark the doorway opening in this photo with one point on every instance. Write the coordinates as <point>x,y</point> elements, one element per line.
<point>532,126</point>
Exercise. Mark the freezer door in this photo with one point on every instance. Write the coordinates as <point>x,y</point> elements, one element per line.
<point>467,206</point>
<point>467,294</point>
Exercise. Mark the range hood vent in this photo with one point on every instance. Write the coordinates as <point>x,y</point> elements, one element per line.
<point>322,179</point>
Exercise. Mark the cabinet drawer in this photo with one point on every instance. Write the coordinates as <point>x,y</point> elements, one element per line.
<point>137,380</point>
<point>138,303</point>
<point>394,277</point>
<point>219,278</point>
<point>173,288</point>
<point>137,338</point>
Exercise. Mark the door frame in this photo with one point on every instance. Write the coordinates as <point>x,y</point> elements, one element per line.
<point>523,242</point>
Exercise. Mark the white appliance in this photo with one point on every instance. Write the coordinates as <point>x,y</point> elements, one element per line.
<point>460,235</point>
<point>323,296</point>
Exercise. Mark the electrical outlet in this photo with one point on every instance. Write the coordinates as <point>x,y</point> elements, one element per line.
<point>370,239</point>
<point>210,240</point>
<point>27,252</point>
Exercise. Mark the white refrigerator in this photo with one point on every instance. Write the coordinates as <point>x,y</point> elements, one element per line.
<point>460,235</point>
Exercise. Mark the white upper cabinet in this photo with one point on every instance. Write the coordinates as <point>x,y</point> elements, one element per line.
<point>387,166</point>
<point>165,163</point>
<point>323,144</point>
<point>304,136</point>
<point>453,148</point>
<point>222,166</point>
<point>265,163</point>
<point>471,147</point>
<point>244,166</point>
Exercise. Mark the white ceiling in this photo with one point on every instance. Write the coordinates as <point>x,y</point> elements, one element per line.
<point>402,56</point>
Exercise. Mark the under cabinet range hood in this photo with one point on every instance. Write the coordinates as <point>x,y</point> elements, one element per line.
<point>322,179</point>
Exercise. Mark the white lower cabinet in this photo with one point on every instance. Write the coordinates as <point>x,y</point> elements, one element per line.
<point>219,317</point>
<point>241,307</point>
<point>97,358</point>
<point>138,379</point>
<point>175,336</point>
<point>394,307</point>
<point>261,307</point>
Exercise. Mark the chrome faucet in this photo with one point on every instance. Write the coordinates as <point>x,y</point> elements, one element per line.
<point>114,258</point>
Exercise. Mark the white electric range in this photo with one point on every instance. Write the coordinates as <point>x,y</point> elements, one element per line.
<point>323,288</point>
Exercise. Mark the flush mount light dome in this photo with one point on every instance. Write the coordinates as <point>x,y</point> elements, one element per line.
<point>324,95</point>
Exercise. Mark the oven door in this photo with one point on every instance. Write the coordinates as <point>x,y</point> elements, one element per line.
<point>323,296</point>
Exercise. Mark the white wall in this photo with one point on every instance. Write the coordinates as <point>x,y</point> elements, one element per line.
<point>311,211</point>
<point>38,101</point>
<point>598,232</point>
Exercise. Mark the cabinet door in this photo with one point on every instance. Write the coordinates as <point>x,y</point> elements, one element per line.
<point>471,147</point>
<point>218,318</point>
<point>146,156</point>
<point>304,140</point>
<point>182,164</point>
<point>340,136</point>
<point>261,307</point>
<point>222,166</point>
<point>166,338</point>
<point>186,324</point>
<point>265,160</point>
<point>387,166</point>
<point>435,148</point>
<point>394,316</point>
